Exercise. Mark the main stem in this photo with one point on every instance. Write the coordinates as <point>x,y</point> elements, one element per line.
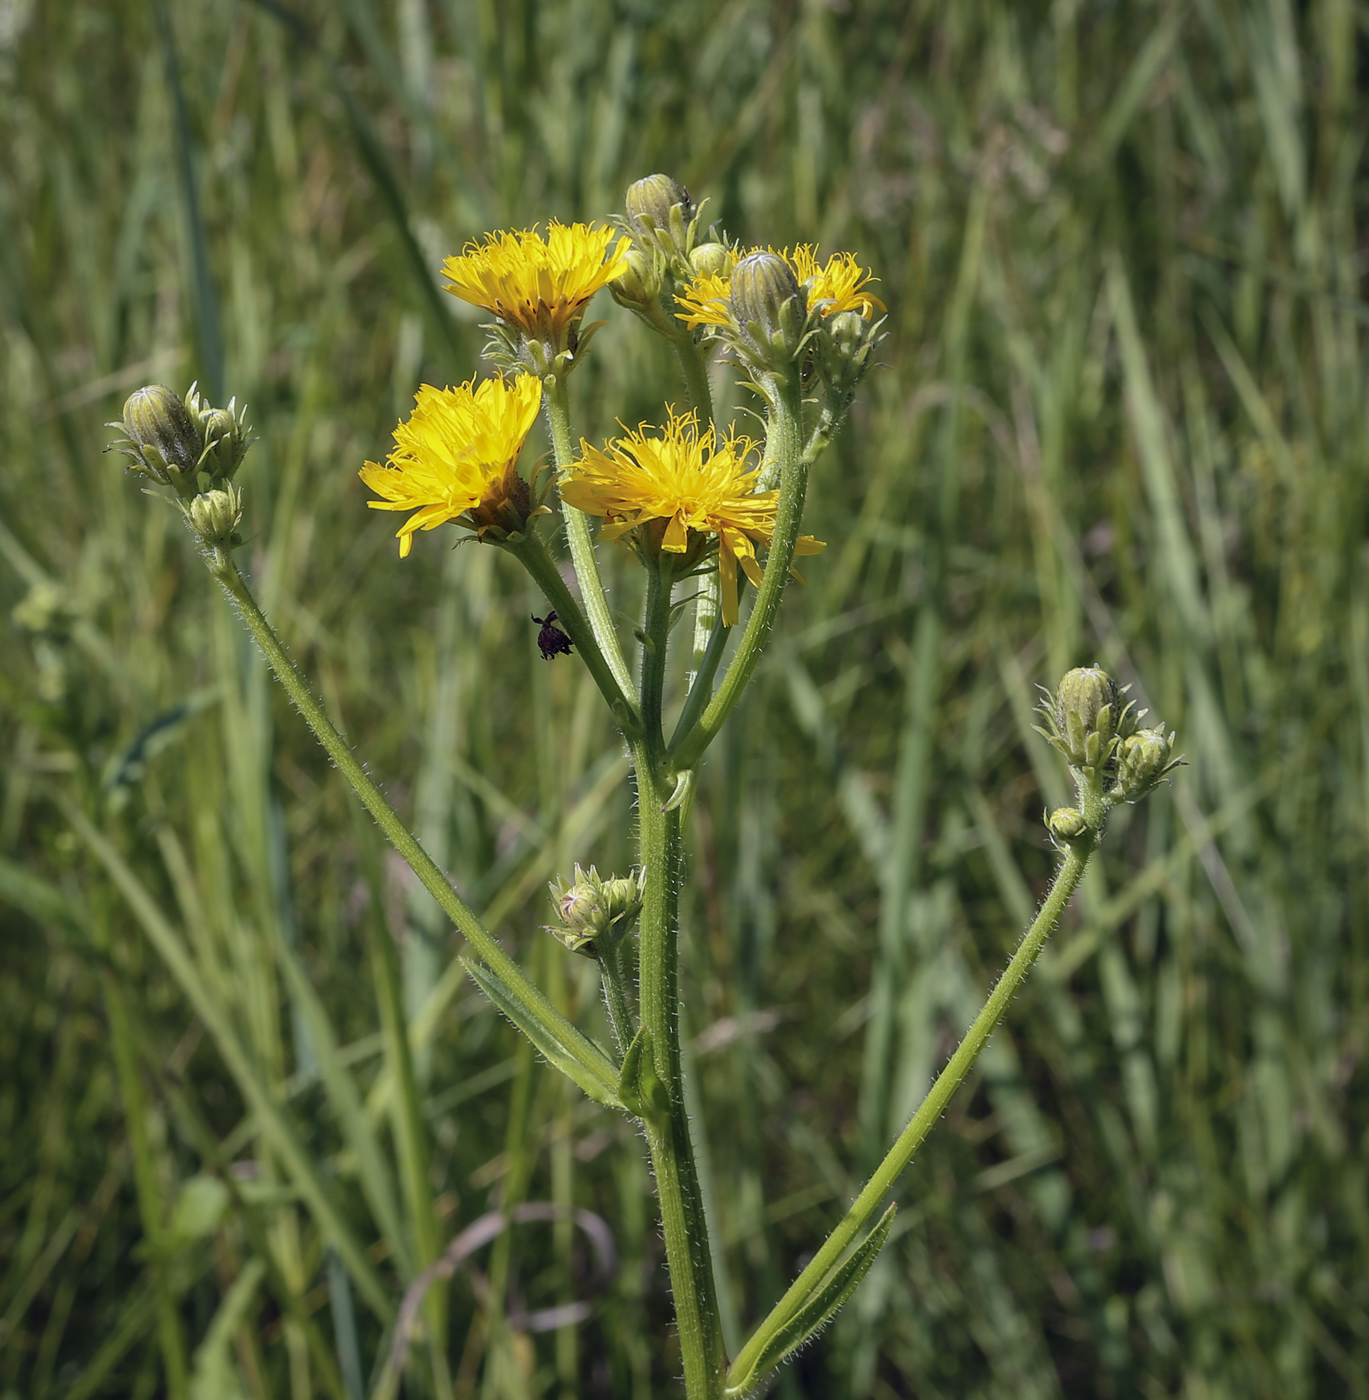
<point>660,839</point>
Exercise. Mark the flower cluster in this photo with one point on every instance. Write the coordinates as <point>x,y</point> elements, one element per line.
<point>184,443</point>
<point>1097,731</point>
<point>592,911</point>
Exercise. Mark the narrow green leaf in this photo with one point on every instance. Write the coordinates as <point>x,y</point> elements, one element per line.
<point>779,1337</point>
<point>589,1067</point>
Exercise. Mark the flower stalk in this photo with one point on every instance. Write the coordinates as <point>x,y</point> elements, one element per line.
<point>581,543</point>
<point>786,441</point>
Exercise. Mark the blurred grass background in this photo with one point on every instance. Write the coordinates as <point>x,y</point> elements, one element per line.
<point>1122,419</point>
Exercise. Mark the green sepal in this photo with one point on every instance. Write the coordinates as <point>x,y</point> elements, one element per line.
<point>779,1337</point>
<point>639,1086</point>
<point>585,1063</point>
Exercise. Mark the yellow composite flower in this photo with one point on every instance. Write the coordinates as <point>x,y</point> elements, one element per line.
<point>539,285</point>
<point>673,489</point>
<point>456,458</point>
<point>833,286</point>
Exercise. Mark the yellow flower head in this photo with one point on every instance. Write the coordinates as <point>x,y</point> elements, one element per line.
<point>456,458</point>
<point>672,491</point>
<point>833,286</point>
<point>540,286</point>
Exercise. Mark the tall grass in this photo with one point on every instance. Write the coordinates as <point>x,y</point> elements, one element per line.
<point>247,1094</point>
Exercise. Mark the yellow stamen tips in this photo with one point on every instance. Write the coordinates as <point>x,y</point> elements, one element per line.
<point>456,458</point>
<point>538,285</point>
<point>671,491</point>
<point>834,286</point>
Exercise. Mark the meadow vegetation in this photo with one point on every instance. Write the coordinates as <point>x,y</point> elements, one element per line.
<point>1122,419</point>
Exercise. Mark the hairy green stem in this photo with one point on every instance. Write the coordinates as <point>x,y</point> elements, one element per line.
<point>660,842</point>
<point>784,439</point>
<point>656,639</point>
<point>702,687</point>
<point>683,1223</point>
<point>886,1175</point>
<point>581,544</point>
<point>615,972</point>
<point>694,365</point>
<point>400,837</point>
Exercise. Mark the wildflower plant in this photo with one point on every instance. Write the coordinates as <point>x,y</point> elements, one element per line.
<point>701,508</point>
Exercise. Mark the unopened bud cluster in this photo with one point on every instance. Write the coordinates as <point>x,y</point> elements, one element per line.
<point>1112,758</point>
<point>592,912</point>
<point>194,448</point>
<point>186,444</point>
<point>663,222</point>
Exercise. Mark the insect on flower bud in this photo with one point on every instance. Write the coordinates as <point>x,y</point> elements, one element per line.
<point>652,202</point>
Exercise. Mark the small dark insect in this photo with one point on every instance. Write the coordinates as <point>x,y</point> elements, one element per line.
<point>551,640</point>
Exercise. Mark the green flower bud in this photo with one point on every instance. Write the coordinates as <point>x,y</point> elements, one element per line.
<point>224,433</point>
<point>710,260</point>
<point>594,913</point>
<point>579,904</point>
<point>845,346</point>
<point>639,288</point>
<point>162,441</point>
<point>770,309</point>
<point>1087,717</point>
<point>214,517</point>
<point>1065,824</point>
<point>1143,761</point>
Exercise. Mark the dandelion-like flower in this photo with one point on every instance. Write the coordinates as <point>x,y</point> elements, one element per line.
<point>834,286</point>
<point>539,286</point>
<point>831,287</point>
<point>456,458</point>
<point>673,490</point>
